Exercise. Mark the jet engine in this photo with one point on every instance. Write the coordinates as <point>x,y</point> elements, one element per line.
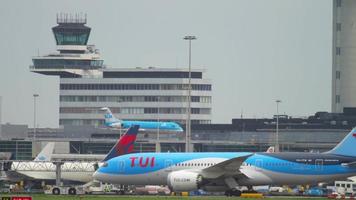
<point>184,181</point>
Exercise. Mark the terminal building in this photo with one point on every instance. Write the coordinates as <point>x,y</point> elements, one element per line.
<point>86,84</point>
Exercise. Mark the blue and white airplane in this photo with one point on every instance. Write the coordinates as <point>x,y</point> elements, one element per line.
<point>227,171</point>
<point>112,122</point>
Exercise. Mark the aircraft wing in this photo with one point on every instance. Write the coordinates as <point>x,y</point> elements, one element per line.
<point>226,168</point>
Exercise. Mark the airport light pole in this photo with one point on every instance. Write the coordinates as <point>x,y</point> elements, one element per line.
<point>0,117</point>
<point>188,125</point>
<point>119,104</point>
<point>158,145</point>
<point>277,126</point>
<point>34,115</point>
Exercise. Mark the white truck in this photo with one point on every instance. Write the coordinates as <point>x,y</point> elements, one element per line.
<point>345,188</point>
<point>102,188</point>
<point>57,190</point>
<point>152,190</point>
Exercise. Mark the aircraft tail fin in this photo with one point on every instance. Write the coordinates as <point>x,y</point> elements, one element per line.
<point>347,147</point>
<point>125,144</point>
<point>46,153</point>
<point>109,117</point>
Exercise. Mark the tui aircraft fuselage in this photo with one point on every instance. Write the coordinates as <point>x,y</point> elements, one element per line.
<point>223,171</point>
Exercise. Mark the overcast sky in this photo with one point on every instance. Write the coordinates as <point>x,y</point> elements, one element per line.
<point>255,51</point>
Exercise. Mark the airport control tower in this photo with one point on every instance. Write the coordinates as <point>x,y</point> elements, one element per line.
<point>74,58</point>
<point>86,85</point>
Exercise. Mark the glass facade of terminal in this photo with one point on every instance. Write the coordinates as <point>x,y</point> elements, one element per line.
<point>166,102</point>
<point>20,150</point>
<point>104,148</point>
<point>225,140</point>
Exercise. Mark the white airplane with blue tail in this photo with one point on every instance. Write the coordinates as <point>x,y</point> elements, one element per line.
<point>226,171</point>
<point>112,122</point>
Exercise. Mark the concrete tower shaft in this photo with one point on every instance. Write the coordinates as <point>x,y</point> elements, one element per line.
<point>344,56</point>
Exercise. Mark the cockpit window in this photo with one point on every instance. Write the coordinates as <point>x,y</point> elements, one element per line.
<point>105,164</point>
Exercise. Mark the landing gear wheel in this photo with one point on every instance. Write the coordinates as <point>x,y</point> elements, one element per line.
<point>228,193</point>
<point>56,191</point>
<point>236,193</point>
<point>250,190</point>
<point>233,192</point>
<point>72,191</point>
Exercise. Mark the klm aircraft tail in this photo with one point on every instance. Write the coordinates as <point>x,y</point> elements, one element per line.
<point>109,117</point>
<point>46,153</point>
<point>347,147</point>
<point>125,144</point>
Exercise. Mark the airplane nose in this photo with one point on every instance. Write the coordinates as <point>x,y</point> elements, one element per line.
<point>100,176</point>
<point>96,175</point>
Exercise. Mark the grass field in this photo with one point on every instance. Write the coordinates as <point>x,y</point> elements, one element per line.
<point>113,197</point>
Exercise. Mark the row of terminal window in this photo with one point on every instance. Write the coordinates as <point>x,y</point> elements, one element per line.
<point>69,98</point>
<point>149,110</point>
<point>203,87</point>
<point>194,164</point>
